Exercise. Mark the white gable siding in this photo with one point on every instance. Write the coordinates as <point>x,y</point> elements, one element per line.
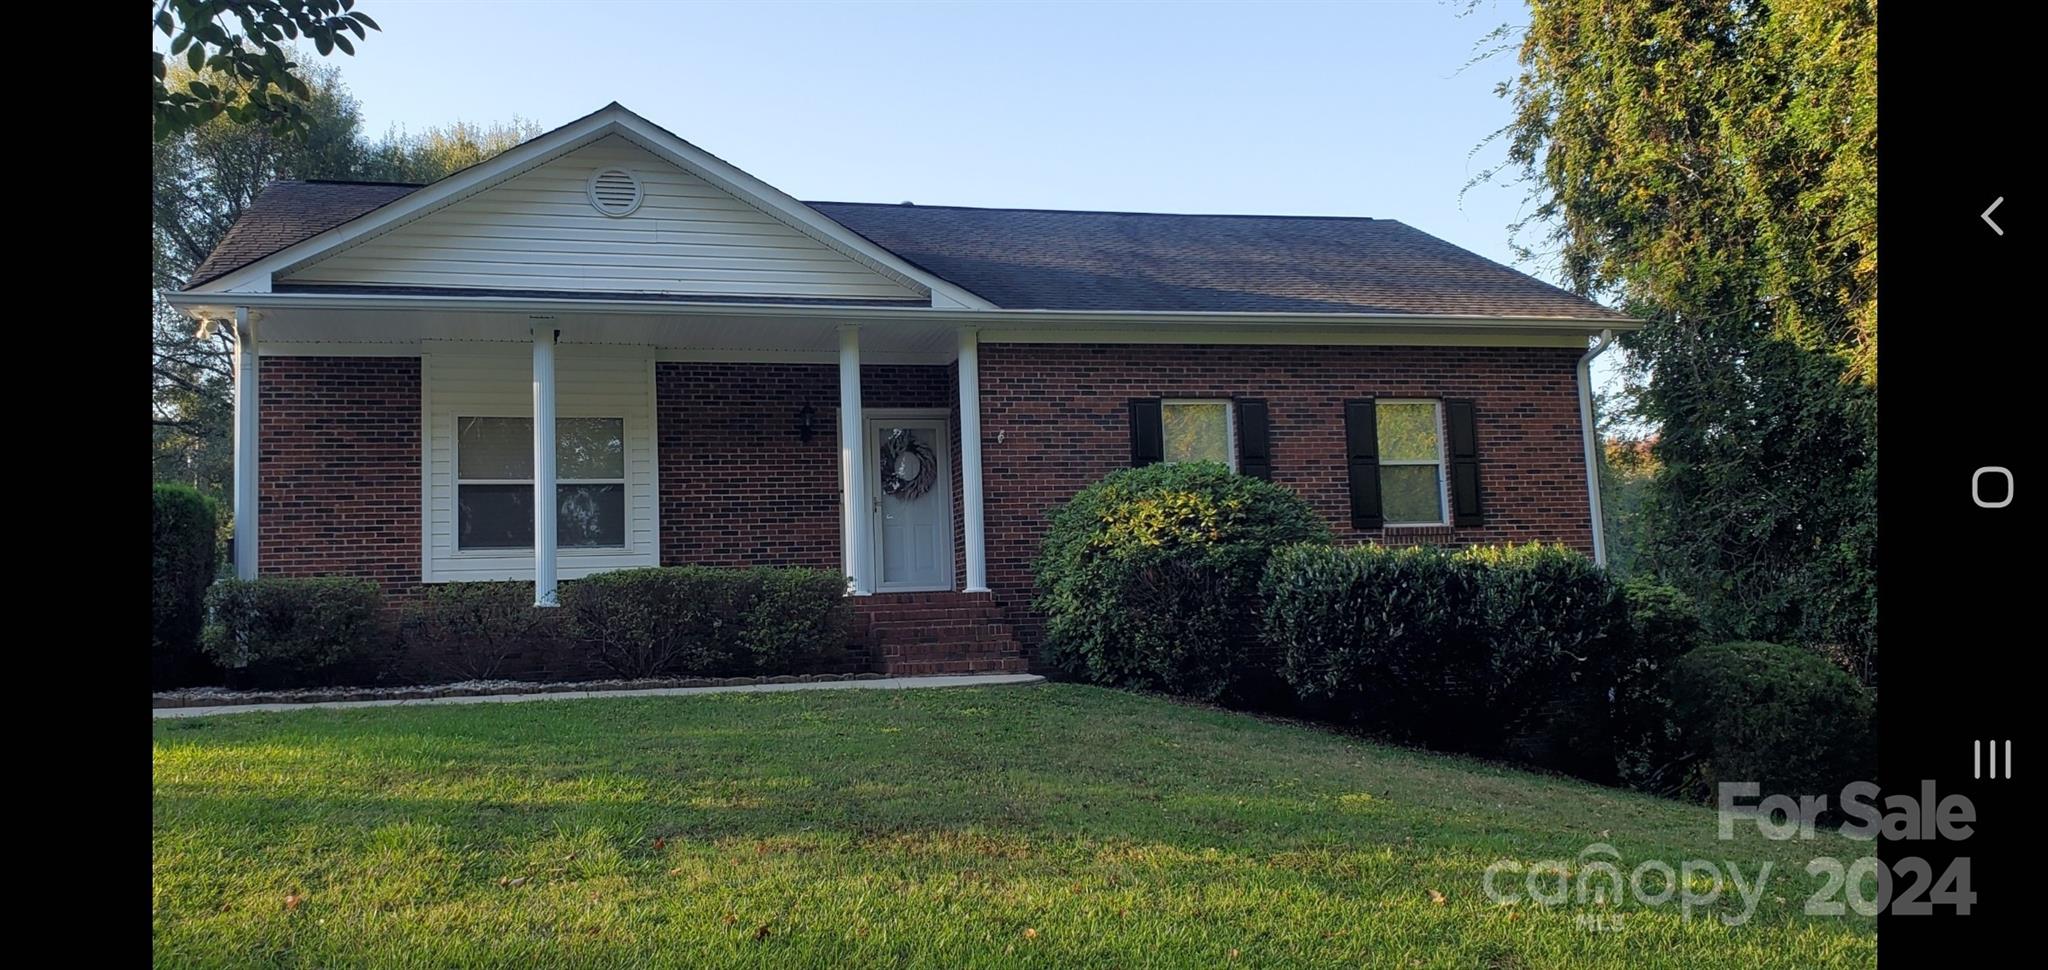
<point>538,231</point>
<point>464,379</point>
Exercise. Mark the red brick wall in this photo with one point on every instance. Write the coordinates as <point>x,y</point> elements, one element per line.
<point>1062,412</point>
<point>738,488</point>
<point>338,473</point>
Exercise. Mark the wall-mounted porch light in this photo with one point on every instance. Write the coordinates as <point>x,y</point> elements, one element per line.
<point>807,424</point>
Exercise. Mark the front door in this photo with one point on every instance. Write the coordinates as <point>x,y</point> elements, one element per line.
<point>911,489</point>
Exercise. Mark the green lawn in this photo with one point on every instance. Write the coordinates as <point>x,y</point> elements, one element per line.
<point>1038,825</point>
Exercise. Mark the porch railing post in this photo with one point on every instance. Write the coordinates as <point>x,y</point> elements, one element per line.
<point>544,500</point>
<point>970,458</point>
<point>853,474</point>
<point>245,444</point>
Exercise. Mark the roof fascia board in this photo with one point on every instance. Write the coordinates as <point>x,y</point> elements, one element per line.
<point>1016,321</point>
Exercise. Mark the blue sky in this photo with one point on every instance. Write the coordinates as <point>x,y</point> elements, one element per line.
<point>1304,109</point>
<point>1364,108</point>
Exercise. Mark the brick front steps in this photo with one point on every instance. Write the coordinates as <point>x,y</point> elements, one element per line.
<point>912,634</point>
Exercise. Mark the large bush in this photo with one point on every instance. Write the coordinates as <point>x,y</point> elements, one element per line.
<point>1381,637</point>
<point>645,622</point>
<point>294,632</point>
<point>1149,578</point>
<point>1508,652</point>
<point>704,620</point>
<point>1553,642</point>
<point>181,565</point>
<point>471,630</point>
<point>1664,625</point>
<point>1779,716</point>
<point>794,620</point>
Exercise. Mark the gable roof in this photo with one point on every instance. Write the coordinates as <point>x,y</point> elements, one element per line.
<point>612,119</point>
<point>1025,259</point>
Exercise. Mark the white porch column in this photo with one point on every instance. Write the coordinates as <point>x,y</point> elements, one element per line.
<point>245,444</point>
<point>544,465</point>
<point>853,467</point>
<point>970,458</point>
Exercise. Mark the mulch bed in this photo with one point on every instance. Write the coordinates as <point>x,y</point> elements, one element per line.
<point>219,696</point>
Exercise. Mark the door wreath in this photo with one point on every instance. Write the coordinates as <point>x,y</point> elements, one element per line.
<point>908,465</point>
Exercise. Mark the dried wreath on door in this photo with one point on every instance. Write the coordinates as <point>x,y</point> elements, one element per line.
<point>909,467</point>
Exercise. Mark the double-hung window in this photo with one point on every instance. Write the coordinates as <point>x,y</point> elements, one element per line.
<point>1198,430</point>
<point>494,483</point>
<point>1411,462</point>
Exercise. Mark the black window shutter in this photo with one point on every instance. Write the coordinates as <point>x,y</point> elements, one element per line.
<point>1254,440</point>
<point>1465,507</point>
<point>1362,459</point>
<point>1147,444</point>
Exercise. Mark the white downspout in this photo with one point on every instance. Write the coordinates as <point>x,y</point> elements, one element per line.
<point>1590,432</point>
<point>544,499</point>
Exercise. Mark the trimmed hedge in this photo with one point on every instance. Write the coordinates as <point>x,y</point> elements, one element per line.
<point>1149,578</point>
<point>1779,716</point>
<point>1664,626</point>
<point>1508,652</point>
<point>470,630</point>
<point>183,559</point>
<point>705,620</point>
<point>293,632</point>
<point>795,620</point>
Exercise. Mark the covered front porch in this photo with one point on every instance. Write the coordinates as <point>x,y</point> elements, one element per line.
<point>556,439</point>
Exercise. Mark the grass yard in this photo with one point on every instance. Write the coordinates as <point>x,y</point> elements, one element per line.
<point>1026,826</point>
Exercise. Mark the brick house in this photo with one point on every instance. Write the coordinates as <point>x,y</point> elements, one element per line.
<point>704,347</point>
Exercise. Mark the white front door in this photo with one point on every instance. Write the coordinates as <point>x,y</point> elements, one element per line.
<point>911,487</point>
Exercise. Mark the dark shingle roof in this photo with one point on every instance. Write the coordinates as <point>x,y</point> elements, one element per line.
<point>285,214</point>
<point>1069,260</point>
<point>1073,260</point>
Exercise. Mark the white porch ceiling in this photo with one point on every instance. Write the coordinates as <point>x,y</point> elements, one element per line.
<point>306,329</point>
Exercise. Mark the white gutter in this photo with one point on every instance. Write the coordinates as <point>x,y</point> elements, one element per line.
<point>198,303</point>
<point>1590,433</point>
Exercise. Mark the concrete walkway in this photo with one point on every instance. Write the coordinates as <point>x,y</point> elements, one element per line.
<point>888,683</point>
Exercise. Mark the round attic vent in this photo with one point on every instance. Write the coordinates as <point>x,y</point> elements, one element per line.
<point>615,192</point>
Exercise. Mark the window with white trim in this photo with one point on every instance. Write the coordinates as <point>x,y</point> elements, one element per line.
<point>1411,459</point>
<point>494,483</point>
<point>1198,430</point>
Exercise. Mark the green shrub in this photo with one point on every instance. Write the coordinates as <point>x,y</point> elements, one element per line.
<point>652,621</point>
<point>1149,578</point>
<point>293,632</point>
<point>1664,625</point>
<point>704,620</point>
<point>1508,652</point>
<point>469,630</point>
<point>1779,716</point>
<point>1380,637</point>
<point>1552,643</point>
<point>798,620</point>
<point>182,563</point>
